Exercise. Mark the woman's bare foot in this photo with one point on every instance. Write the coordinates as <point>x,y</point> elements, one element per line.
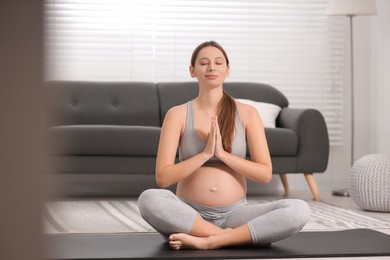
<point>230,237</point>
<point>185,241</point>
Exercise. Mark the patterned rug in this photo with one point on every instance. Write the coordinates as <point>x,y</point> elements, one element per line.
<point>117,216</point>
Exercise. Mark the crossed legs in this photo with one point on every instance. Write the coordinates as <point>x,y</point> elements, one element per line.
<point>258,224</point>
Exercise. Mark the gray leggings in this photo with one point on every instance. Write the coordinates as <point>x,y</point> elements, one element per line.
<point>267,223</point>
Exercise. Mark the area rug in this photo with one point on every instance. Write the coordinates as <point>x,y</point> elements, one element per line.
<point>347,243</point>
<point>119,216</point>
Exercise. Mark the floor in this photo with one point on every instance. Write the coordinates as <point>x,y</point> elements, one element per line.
<point>343,202</point>
<point>346,203</point>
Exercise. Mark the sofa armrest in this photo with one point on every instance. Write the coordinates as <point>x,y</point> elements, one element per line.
<point>313,139</point>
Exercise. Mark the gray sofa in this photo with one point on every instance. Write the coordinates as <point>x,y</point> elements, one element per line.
<point>103,136</point>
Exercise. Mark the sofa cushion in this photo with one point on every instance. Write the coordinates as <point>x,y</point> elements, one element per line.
<point>267,111</point>
<point>102,103</point>
<point>282,141</point>
<point>103,140</point>
<point>104,164</point>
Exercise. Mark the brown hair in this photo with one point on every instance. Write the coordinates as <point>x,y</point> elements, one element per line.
<point>226,107</point>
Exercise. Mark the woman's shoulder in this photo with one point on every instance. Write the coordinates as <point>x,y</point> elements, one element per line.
<point>247,112</point>
<point>177,113</point>
<point>178,110</point>
<point>245,109</point>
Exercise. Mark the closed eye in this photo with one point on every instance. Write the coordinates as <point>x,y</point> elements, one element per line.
<point>219,61</point>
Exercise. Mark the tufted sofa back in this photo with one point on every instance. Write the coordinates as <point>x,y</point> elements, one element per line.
<point>135,103</point>
<point>103,103</point>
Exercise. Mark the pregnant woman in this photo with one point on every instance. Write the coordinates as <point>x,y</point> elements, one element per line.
<point>212,131</point>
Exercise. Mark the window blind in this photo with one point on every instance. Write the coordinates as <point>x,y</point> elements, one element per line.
<point>289,44</point>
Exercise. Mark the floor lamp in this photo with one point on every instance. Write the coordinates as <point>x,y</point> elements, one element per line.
<point>350,8</point>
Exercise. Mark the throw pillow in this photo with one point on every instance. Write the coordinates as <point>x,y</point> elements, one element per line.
<point>267,111</point>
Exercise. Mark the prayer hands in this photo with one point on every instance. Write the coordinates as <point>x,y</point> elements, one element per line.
<point>214,143</point>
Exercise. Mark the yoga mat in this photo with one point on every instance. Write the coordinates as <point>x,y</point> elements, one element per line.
<point>348,243</point>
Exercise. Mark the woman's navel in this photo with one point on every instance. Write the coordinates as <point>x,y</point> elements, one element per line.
<point>213,188</point>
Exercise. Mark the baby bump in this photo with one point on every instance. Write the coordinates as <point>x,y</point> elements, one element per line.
<point>213,186</point>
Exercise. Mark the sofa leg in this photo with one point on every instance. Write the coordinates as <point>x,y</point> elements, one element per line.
<point>283,178</point>
<point>312,185</point>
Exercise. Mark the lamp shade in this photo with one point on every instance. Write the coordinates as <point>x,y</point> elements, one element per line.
<point>351,7</point>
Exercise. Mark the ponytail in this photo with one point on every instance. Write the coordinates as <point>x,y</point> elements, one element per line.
<point>226,120</point>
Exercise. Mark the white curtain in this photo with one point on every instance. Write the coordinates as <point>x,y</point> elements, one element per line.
<point>289,44</point>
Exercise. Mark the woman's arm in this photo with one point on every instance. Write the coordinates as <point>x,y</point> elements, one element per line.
<point>259,169</point>
<point>167,172</point>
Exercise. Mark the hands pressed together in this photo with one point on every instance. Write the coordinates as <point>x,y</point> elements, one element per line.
<point>214,143</point>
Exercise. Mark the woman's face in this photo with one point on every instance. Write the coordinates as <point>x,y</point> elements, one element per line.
<point>210,67</point>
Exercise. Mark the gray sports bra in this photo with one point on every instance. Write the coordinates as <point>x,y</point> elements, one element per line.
<point>191,144</point>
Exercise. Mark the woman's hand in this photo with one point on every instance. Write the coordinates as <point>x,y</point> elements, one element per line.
<point>209,150</point>
<point>214,145</point>
<point>218,142</point>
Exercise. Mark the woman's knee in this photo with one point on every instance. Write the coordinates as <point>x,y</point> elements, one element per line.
<point>165,212</point>
<point>149,200</point>
<point>299,212</point>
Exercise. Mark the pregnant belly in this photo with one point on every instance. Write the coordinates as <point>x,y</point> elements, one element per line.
<point>213,186</point>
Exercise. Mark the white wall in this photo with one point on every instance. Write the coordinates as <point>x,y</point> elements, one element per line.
<point>373,81</point>
<point>380,70</point>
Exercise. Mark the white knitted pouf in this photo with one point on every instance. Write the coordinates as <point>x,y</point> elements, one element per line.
<point>369,182</point>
